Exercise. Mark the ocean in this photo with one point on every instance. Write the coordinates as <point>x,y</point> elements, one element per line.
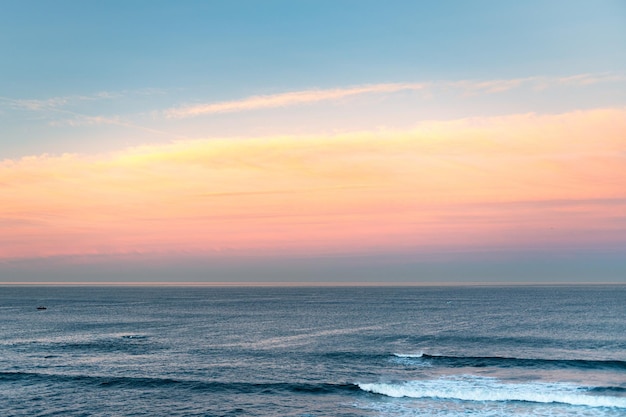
<point>313,351</point>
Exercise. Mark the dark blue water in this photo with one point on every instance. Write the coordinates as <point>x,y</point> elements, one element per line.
<point>418,351</point>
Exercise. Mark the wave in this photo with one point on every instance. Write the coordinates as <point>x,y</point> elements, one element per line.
<point>510,362</point>
<point>129,343</point>
<point>409,355</point>
<point>104,382</point>
<point>473,388</point>
<point>345,356</point>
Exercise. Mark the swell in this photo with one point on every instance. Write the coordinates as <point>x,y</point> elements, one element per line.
<point>599,341</point>
<point>127,343</point>
<point>345,356</point>
<point>118,382</point>
<point>615,391</point>
<point>511,362</point>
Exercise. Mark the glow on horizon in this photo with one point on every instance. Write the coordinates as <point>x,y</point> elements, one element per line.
<point>513,182</point>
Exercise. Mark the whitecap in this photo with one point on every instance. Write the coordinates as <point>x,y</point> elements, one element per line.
<point>409,355</point>
<point>474,388</point>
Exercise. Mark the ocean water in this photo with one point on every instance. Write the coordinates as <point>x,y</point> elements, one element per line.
<point>362,351</point>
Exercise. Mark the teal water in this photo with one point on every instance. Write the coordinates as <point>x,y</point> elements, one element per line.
<point>416,351</point>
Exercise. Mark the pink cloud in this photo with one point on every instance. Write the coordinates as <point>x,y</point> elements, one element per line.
<point>513,181</point>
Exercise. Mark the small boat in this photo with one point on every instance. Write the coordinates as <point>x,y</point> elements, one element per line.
<point>41,308</point>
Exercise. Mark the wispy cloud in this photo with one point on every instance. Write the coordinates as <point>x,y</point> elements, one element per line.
<point>64,102</point>
<point>286,99</point>
<point>54,103</point>
<point>78,119</point>
<point>62,105</point>
<point>588,79</point>
<point>465,87</point>
<point>69,104</point>
<point>535,83</point>
<point>484,87</point>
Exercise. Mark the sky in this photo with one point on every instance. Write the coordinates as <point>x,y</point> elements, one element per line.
<point>313,141</point>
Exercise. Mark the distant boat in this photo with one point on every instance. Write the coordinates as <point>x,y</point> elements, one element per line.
<point>41,308</point>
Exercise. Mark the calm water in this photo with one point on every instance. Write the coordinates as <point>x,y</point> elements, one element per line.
<point>517,351</point>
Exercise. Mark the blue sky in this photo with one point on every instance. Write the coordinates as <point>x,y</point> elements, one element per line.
<point>222,48</point>
<point>145,56</point>
<point>101,82</point>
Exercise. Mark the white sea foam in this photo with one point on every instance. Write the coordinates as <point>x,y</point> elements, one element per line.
<point>473,388</point>
<point>409,355</point>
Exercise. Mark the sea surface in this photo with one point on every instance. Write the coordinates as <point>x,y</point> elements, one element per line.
<point>316,351</point>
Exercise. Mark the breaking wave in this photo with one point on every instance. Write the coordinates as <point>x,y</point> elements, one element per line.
<point>473,388</point>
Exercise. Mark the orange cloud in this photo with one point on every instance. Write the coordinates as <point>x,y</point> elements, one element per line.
<point>515,181</point>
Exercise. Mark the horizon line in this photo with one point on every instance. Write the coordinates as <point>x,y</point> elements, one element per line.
<point>302,284</point>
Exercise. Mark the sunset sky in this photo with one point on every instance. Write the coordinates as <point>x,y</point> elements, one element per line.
<point>313,141</point>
